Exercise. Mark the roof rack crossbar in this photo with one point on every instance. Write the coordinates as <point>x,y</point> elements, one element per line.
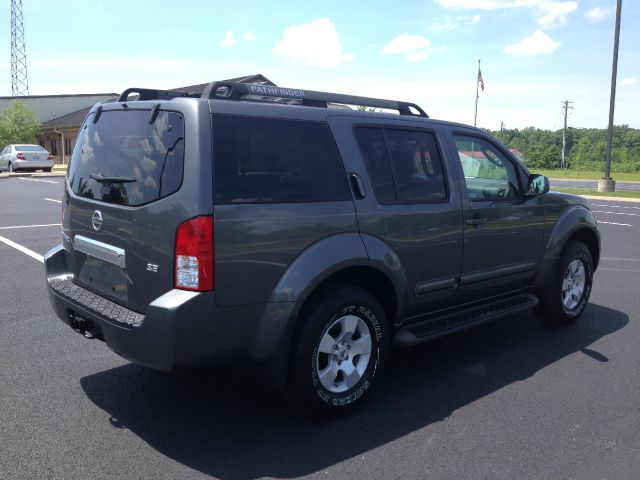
<point>236,91</point>
<point>154,94</point>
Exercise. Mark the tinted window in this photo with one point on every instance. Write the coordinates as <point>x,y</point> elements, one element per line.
<point>147,158</point>
<point>261,160</point>
<point>404,165</point>
<point>489,175</point>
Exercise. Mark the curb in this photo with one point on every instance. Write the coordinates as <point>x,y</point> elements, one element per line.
<point>30,174</point>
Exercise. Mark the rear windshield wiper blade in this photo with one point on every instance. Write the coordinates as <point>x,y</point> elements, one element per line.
<point>98,177</point>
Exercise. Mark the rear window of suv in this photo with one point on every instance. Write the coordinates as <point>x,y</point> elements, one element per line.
<point>124,159</point>
<point>266,160</point>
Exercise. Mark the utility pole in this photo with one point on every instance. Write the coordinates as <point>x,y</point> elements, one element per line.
<point>566,107</point>
<point>606,183</point>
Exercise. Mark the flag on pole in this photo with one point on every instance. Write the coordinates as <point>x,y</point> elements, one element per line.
<point>480,79</point>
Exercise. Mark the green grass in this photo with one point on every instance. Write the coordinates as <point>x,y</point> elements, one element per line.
<point>582,175</point>
<point>589,191</point>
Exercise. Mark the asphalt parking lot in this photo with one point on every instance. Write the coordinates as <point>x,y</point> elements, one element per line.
<point>512,399</point>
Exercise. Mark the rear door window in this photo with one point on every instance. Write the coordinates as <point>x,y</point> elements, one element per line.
<point>404,165</point>
<point>124,159</point>
<point>260,160</point>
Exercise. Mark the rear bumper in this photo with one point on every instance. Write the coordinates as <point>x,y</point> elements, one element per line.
<point>179,328</point>
<point>19,164</point>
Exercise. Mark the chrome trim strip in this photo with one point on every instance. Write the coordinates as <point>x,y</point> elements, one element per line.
<point>100,250</point>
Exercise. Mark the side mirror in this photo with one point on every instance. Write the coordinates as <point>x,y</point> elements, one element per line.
<point>537,184</point>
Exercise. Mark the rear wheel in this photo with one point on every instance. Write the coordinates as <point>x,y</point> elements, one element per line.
<point>338,352</point>
<point>571,286</point>
<point>46,169</point>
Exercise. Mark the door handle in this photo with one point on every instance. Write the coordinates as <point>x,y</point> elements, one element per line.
<point>357,185</point>
<point>476,221</point>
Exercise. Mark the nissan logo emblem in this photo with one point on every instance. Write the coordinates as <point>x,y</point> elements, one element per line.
<point>96,220</point>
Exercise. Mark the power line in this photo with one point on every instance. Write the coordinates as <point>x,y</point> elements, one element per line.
<point>19,82</point>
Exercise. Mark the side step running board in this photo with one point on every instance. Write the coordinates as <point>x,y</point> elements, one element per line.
<point>421,332</point>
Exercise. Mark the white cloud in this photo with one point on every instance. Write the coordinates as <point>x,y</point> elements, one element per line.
<point>249,37</point>
<point>553,12</point>
<point>405,43</point>
<point>476,19</point>
<point>537,44</point>
<point>228,40</point>
<point>597,14</point>
<point>627,82</point>
<point>315,44</point>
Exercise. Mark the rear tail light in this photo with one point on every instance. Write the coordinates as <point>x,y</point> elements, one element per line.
<point>20,156</point>
<point>50,157</point>
<point>194,267</point>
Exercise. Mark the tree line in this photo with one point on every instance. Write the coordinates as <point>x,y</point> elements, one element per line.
<point>585,147</point>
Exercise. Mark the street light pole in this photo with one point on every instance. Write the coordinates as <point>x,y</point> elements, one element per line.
<point>607,184</point>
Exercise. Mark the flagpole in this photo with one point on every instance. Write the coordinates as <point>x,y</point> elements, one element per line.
<point>475,115</point>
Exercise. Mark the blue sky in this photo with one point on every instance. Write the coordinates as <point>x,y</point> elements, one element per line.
<point>535,53</point>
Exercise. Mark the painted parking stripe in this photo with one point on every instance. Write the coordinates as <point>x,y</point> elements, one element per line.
<point>53,200</point>
<point>38,180</point>
<point>618,213</point>
<point>615,259</point>
<point>614,206</point>
<point>31,226</point>
<point>613,223</point>
<point>22,249</point>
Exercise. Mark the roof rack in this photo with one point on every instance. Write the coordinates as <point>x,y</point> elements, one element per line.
<point>237,91</point>
<point>154,94</point>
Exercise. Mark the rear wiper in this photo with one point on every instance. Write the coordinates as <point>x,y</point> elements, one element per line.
<point>98,177</point>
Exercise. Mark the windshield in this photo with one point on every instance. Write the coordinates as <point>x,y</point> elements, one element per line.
<point>124,159</point>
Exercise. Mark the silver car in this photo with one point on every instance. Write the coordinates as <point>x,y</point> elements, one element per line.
<point>25,157</point>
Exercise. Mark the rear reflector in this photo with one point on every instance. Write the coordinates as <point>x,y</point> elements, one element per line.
<point>194,268</point>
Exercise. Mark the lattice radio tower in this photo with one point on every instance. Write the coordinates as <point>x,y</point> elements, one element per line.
<point>19,82</point>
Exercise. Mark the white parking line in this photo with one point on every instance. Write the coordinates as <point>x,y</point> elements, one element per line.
<point>614,259</point>
<point>619,213</point>
<point>31,226</point>
<point>37,180</point>
<point>24,250</point>
<point>613,206</point>
<point>53,200</point>
<point>612,223</point>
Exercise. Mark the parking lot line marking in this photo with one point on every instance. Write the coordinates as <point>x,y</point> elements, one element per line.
<point>613,206</point>
<point>37,180</point>
<point>31,226</point>
<point>24,250</point>
<point>619,213</point>
<point>53,200</point>
<point>613,223</point>
<point>613,259</point>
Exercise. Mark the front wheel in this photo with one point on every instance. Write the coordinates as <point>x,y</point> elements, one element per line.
<point>338,352</point>
<point>571,286</point>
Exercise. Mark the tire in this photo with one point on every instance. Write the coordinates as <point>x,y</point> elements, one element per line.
<point>326,378</point>
<point>46,170</point>
<point>571,286</point>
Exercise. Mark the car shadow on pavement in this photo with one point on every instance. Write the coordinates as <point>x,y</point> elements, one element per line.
<point>224,422</point>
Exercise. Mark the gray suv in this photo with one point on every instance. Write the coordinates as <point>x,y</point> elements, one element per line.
<point>282,227</point>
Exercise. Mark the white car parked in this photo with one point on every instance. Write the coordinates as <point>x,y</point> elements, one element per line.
<point>25,157</point>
